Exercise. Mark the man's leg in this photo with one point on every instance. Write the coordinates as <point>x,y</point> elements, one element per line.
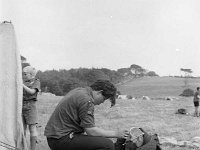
<point>33,136</point>
<point>197,111</point>
<point>25,128</point>
<point>85,142</point>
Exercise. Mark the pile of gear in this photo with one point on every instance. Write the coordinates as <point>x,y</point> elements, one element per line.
<point>139,140</point>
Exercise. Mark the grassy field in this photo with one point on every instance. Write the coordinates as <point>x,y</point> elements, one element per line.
<point>155,116</point>
<point>157,86</point>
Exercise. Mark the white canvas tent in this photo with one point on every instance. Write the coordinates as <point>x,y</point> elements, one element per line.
<point>11,126</point>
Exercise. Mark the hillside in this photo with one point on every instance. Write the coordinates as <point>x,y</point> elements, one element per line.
<point>156,86</point>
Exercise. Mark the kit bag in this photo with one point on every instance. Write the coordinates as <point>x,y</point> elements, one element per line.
<point>150,142</point>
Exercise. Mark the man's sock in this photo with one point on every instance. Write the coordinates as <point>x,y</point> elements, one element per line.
<point>33,140</point>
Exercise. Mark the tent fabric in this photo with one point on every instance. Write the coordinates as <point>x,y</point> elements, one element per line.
<point>11,125</point>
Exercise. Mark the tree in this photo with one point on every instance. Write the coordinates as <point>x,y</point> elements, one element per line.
<point>151,74</point>
<point>187,72</point>
<point>137,70</point>
<point>186,76</point>
<point>124,71</point>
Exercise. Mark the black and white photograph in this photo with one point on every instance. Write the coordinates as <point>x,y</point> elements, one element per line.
<point>99,74</point>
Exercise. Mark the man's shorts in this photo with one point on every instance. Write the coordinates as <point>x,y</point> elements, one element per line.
<point>29,112</point>
<point>196,104</point>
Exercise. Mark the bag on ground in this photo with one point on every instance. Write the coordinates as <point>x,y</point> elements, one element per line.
<point>150,142</point>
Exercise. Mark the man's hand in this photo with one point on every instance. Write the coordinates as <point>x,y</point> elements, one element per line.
<point>124,133</point>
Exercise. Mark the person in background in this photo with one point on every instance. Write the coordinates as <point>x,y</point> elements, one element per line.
<point>72,125</point>
<point>31,87</point>
<point>196,102</point>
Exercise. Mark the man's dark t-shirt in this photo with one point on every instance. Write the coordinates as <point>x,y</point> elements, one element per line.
<point>73,113</point>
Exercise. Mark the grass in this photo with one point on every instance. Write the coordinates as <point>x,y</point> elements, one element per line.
<point>155,116</point>
<point>157,86</point>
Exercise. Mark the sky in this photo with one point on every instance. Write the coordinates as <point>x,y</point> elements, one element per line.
<point>158,35</point>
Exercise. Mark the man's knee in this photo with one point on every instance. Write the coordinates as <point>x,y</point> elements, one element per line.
<point>33,130</point>
<point>109,144</point>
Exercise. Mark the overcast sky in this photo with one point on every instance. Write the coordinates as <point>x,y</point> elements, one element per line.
<point>159,35</point>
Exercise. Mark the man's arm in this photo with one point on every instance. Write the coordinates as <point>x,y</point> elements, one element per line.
<point>198,94</point>
<point>95,131</point>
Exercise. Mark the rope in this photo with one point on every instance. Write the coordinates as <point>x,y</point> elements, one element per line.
<point>10,147</point>
<point>7,147</point>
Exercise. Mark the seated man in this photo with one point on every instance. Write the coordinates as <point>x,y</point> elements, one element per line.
<point>72,125</point>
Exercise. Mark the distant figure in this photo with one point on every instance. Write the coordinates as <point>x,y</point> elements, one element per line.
<point>196,102</point>
<point>72,124</point>
<point>31,87</point>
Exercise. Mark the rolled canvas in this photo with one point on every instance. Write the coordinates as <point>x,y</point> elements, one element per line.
<point>11,125</point>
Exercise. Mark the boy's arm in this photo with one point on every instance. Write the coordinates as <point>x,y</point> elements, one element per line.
<point>29,90</point>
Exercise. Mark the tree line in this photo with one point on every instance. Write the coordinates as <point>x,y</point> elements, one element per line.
<point>60,82</point>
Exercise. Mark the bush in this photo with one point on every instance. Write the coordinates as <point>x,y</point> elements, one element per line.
<point>187,92</point>
<point>129,97</point>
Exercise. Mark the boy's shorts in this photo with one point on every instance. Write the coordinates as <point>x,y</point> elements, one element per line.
<point>29,112</point>
<point>196,104</point>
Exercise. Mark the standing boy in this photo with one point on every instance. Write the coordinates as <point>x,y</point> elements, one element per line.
<point>31,87</point>
<point>196,102</point>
